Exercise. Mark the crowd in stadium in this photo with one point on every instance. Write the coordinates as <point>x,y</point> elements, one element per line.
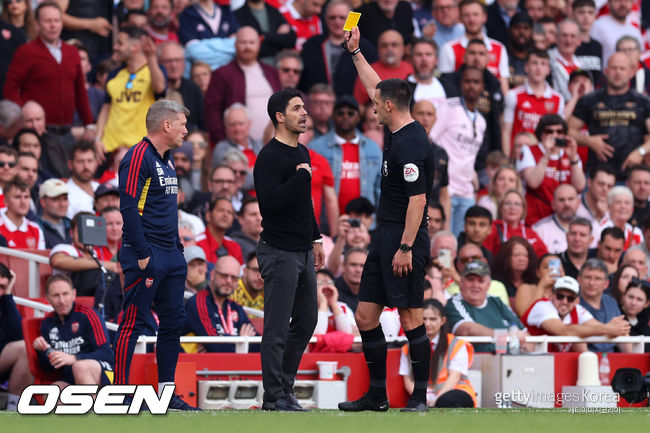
<point>538,112</point>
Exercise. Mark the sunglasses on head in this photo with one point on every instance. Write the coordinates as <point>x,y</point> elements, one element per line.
<point>569,298</point>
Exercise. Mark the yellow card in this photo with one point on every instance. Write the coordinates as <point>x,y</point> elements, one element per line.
<point>352,21</point>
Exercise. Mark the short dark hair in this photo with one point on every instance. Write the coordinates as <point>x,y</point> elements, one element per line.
<point>278,103</point>
<point>216,200</point>
<point>605,168</point>
<point>57,277</point>
<point>25,131</point>
<point>637,167</point>
<point>27,154</point>
<point>325,271</point>
<point>81,146</point>
<point>581,3</point>
<point>548,120</point>
<point>252,255</point>
<point>4,271</point>
<point>464,3</point>
<point>133,32</point>
<point>581,221</point>
<point>360,205</point>
<point>16,183</point>
<point>546,20</point>
<point>476,41</point>
<point>472,68</point>
<point>108,209</point>
<point>426,41</point>
<point>538,53</point>
<point>646,223</point>
<point>6,150</point>
<point>436,205</point>
<point>613,232</point>
<point>478,212</point>
<point>46,4</point>
<point>396,91</point>
<point>245,202</point>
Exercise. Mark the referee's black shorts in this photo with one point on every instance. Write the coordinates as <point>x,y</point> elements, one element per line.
<point>378,283</point>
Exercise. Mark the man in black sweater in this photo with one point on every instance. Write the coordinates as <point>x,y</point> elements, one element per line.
<point>289,251</point>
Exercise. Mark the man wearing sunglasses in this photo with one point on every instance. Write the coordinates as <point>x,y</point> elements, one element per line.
<point>562,314</point>
<point>8,157</point>
<point>354,158</point>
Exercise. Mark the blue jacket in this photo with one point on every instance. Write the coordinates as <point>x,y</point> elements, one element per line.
<point>191,24</point>
<point>10,321</point>
<point>369,162</point>
<point>82,333</point>
<point>204,319</point>
<point>148,189</point>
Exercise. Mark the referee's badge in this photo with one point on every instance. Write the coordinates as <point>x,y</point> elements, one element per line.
<point>384,169</point>
<point>411,172</point>
<point>149,282</point>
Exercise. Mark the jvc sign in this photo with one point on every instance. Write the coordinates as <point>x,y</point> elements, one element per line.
<point>81,399</point>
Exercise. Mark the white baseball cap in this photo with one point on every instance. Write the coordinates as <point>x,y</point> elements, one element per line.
<point>52,188</point>
<point>567,283</point>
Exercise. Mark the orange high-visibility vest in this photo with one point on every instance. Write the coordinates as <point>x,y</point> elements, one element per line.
<point>453,346</point>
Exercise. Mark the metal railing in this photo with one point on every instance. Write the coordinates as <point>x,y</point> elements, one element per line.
<point>33,260</point>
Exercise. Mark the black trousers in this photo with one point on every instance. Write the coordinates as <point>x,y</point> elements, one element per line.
<point>290,315</point>
<point>455,398</point>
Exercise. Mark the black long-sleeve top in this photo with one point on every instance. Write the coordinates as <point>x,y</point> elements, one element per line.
<point>284,195</point>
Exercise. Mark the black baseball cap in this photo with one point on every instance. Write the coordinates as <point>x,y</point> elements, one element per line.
<point>106,189</point>
<point>580,72</point>
<point>348,100</point>
<point>521,17</point>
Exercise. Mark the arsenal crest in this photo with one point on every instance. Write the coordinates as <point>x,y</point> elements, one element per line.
<point>74,327</point>
<point>550,106</point>
<point>149,282</point>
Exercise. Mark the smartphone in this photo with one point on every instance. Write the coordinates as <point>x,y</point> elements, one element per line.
<point>354,222</point>
<point>560,142</point>
<point>554,268</point>
<point>444,258</point>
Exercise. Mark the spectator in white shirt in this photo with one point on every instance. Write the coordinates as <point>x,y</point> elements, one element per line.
<point>611,27</point>
<point>553,228</point>
<point>81,186</point>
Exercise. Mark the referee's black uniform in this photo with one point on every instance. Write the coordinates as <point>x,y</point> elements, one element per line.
<point>407,170</point>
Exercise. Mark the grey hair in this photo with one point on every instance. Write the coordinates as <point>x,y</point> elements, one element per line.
<point>568,21</point>
<point>442,233</point>
<point>161,110</point>
<point>291,54</point>
<point>165,44</point>
<point>234,155</point>
<point>234,107</point>
<point>619,190</point>
<point>627,38</point>
<point>10,112</point>
<point>594,263</point>
<point>580,221</point>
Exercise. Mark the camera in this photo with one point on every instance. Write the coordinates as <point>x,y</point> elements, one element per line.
<point>631,385</point>
<point>354,222</point>
<point>560,142</point>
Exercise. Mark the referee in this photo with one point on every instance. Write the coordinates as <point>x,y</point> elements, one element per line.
<point>152,255</point>
<point>289,250</point>
<point>394,271</point>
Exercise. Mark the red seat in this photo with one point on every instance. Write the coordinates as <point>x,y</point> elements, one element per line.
<point>31,330</point>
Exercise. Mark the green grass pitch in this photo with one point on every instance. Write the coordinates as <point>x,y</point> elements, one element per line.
<point>456,421</point>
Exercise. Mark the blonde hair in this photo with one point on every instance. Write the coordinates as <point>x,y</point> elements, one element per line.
<point>503,199</point>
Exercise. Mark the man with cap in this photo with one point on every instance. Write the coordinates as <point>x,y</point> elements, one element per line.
<point>106,195</point>
<point>473,312</point>
<point>354,158</point>
<point>197,269</point>
<point>519,44</point>
<point>562,314</point>
<point>53,195</point>
<point>183,158</point>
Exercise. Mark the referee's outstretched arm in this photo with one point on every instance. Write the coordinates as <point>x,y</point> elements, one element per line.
<point>367,75</point>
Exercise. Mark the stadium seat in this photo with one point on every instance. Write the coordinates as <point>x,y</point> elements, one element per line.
<point>31,330</point>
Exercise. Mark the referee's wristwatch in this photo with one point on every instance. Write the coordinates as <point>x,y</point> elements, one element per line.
<point>641,150</point>
<point>318,241</point>
<point>405,248</point>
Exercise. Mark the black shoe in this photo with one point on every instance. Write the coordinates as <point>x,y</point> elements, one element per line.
<point>291,398</point>
<point>177,403</point>
<point>283,404</point>
<point>364,403</point>
<point>128,400</point>
<point>415,406</point>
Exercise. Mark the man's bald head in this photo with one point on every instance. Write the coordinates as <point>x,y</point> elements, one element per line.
<point>34,116</point>
<point>228,265</point>
<point>390,47</point>
<point>247,45</point>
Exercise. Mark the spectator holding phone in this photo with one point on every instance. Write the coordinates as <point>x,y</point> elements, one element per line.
<point>352,233</point>
<point>552,162</point>
<point>549,270</point>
